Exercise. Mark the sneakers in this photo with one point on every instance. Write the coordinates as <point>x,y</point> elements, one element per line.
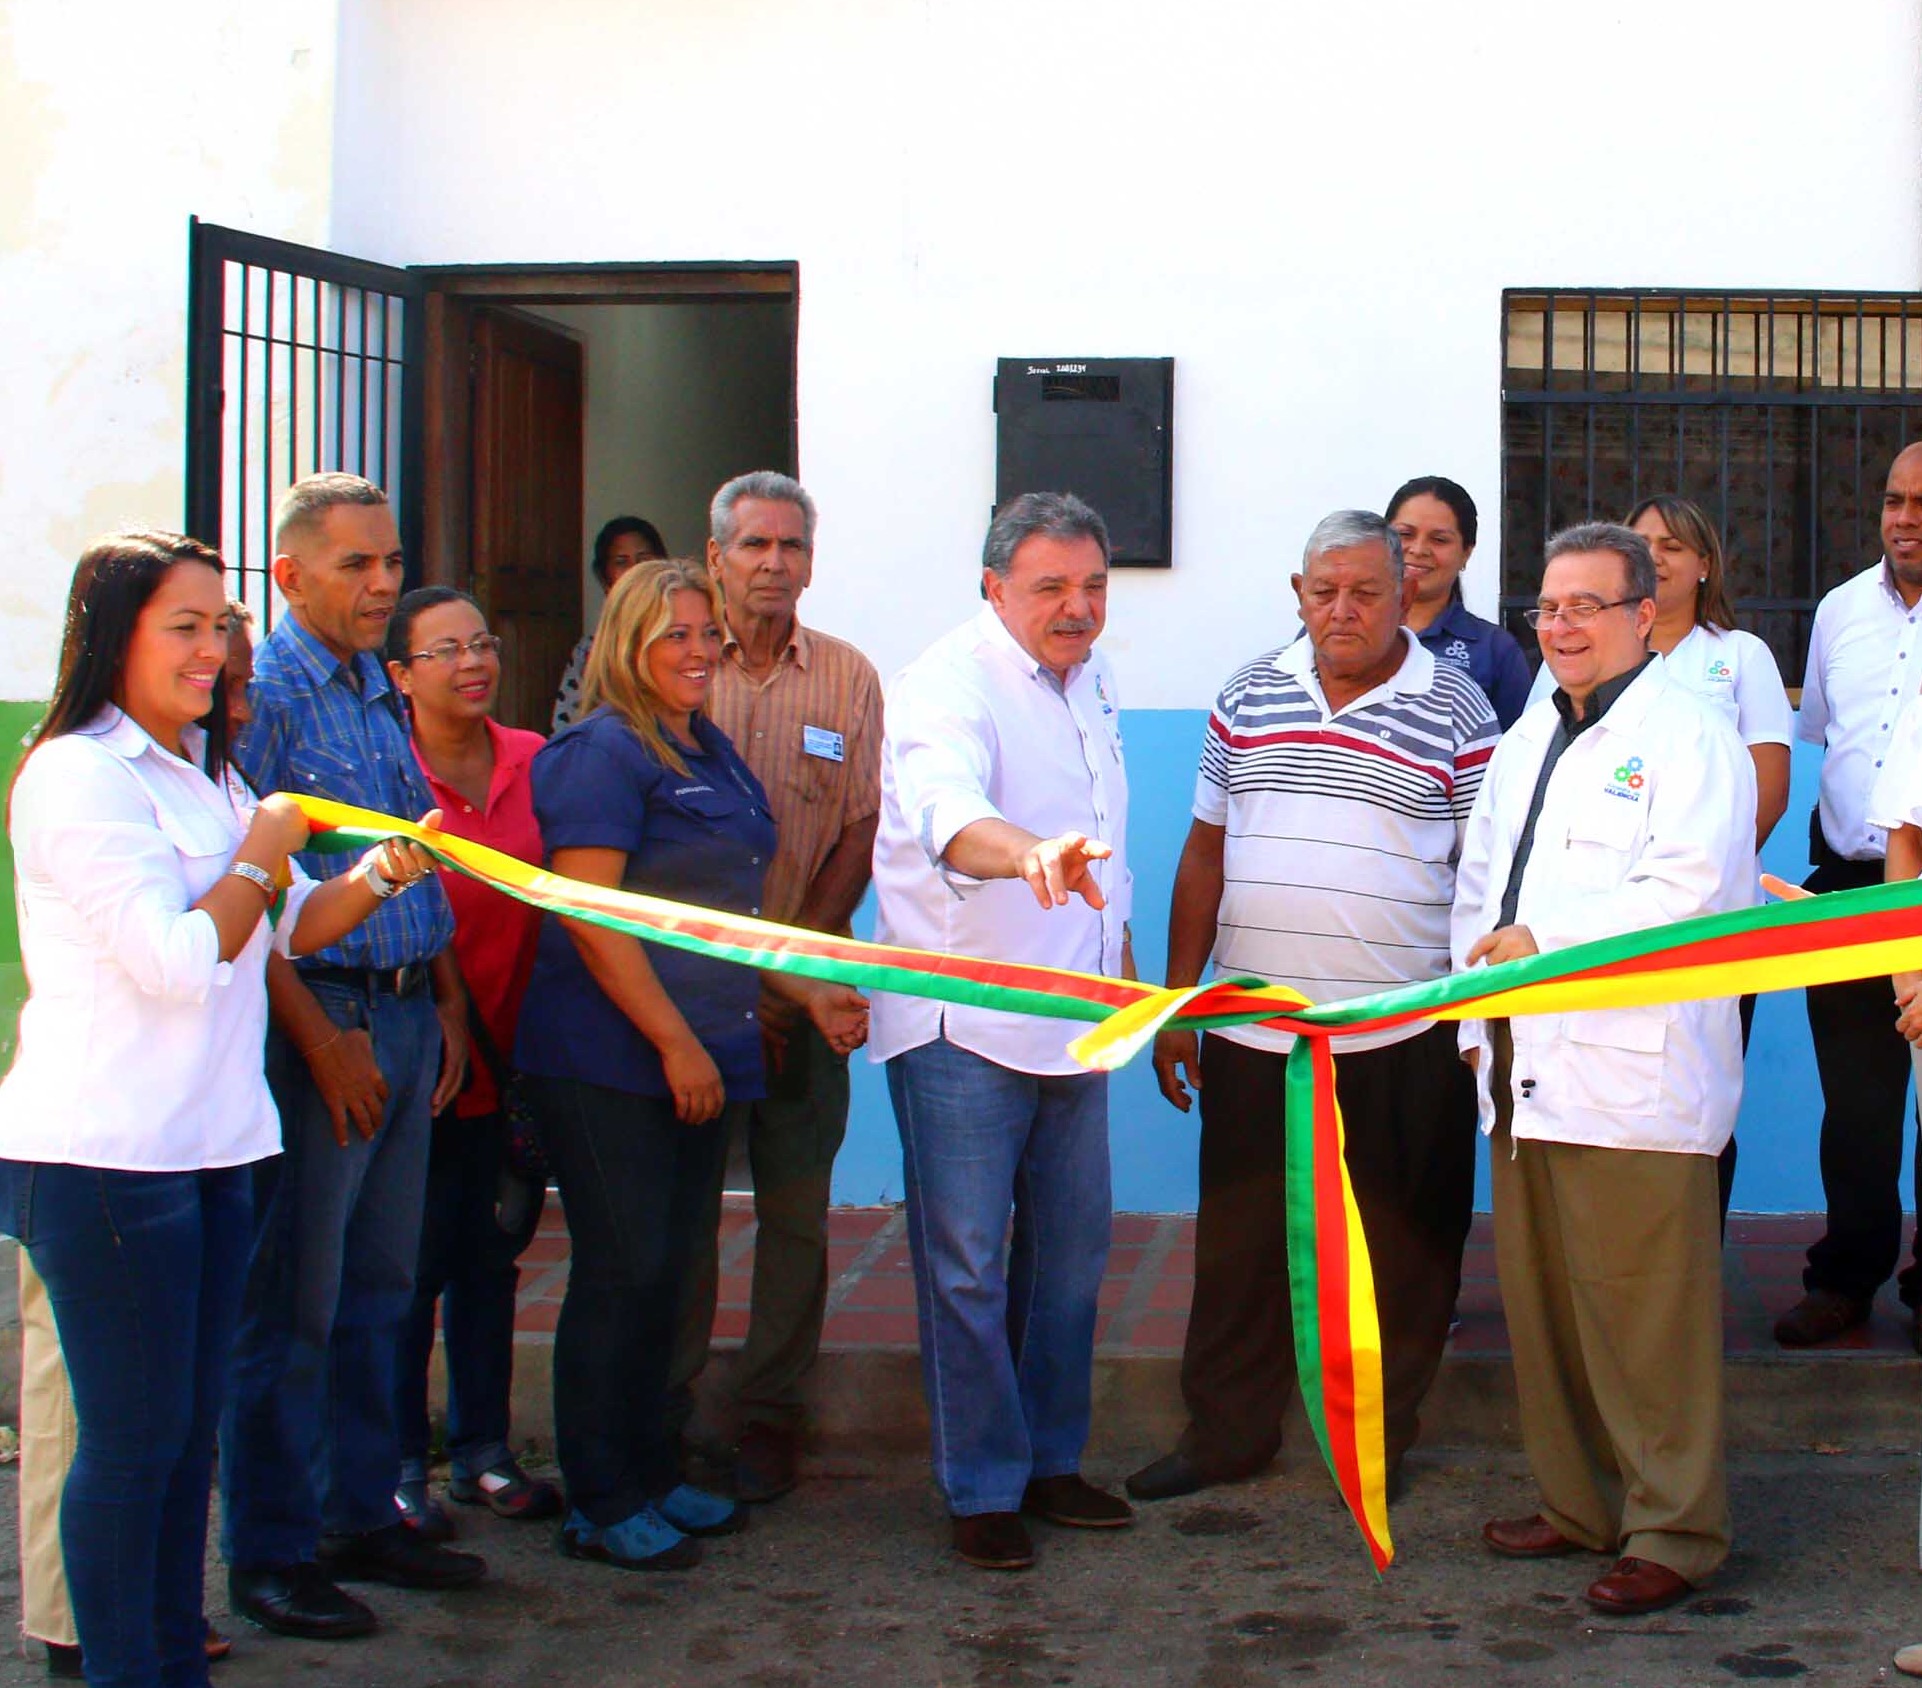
<point>422,1514</point>
<point>507,1492</point>
<point>695,1512</point>
<point>644,1542</point>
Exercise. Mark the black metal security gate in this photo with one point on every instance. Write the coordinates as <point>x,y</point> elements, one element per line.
<point>299,361</point>
<point>1777,413</point>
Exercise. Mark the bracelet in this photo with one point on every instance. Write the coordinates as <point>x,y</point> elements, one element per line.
<point>376,881</point>
<point>309,1054</point>
<point>256,876</point>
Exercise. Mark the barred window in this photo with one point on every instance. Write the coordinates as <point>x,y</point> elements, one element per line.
<point>1777,413</point>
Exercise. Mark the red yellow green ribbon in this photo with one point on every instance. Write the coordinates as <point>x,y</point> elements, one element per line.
<point>1781,946</point>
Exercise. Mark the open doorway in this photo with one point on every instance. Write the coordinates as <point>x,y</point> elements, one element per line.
<point>508,410</point>
<point>567,407</point>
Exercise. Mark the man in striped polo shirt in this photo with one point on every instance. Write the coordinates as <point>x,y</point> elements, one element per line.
<point>1336,779</point>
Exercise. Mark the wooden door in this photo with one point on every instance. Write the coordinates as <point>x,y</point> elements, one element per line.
<point>525,512</point>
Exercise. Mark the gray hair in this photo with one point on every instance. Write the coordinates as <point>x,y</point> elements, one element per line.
<point>1638,562</point>
<point>1048,515</point>
<point>303,504</point>
<point>1346,529</point>
<point>768,484</point>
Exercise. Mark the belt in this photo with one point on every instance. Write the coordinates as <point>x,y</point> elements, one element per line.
<point>375,981</point>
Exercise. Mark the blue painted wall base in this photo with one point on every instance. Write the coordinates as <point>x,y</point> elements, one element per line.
<point>1154,1146</point>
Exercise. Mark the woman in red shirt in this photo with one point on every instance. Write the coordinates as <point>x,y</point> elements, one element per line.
<point>446,665</point>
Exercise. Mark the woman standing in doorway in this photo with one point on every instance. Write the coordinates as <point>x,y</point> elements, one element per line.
<point>1436,521</point>
<point>620,544</point>
<point>447,666</point>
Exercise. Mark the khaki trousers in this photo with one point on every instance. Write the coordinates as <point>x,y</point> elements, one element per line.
<point>1611,1279</point>
<point>49,1432</point>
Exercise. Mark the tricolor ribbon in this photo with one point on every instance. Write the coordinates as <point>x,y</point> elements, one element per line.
<point>1780,946</point>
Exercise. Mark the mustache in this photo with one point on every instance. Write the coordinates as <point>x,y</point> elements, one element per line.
<point>1072,624</point>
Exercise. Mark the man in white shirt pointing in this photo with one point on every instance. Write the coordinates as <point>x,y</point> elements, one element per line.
<point>1622,802</point>
<point>1004,811</point>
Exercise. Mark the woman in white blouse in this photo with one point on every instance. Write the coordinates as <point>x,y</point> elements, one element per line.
<point>1696,633</point>
<point>137,1105</point>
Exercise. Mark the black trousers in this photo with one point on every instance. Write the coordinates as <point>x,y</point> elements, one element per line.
<point>1409,1112</point>
<point>634,1182</point>
<point>1864,1066</point>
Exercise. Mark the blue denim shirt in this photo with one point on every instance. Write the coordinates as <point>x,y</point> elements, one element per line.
<point>706,838</point>
<point>1490,654</point>
<point>324,729</point>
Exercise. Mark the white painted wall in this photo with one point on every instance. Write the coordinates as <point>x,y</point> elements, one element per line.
<point>680,397</point>
<point>1312,208</point>
<point>116,124</point>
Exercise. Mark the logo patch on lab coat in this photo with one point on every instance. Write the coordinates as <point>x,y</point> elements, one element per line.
<point>1628,781</point>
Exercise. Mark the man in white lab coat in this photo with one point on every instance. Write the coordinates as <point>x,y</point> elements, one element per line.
<point>1620,802</point>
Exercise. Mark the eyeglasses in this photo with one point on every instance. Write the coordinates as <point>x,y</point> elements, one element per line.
<point>1578,614</point>
<point>450,650</point>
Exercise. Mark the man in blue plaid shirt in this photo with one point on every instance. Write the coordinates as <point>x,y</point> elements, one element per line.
<point>369,1042</point>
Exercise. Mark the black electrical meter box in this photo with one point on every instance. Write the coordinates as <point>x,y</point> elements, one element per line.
<point>1101,428</point>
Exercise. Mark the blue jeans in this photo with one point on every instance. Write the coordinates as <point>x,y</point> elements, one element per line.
<point>467,1264</point>
<point>308,1442</point>
<point>1007,1352</point>
<point>634,1181</point>
<point>144,1271</point>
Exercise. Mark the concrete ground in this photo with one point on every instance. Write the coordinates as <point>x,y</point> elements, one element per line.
<point>848,1581</point>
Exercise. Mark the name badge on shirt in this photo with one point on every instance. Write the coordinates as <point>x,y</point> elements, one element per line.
<point>818,741</point>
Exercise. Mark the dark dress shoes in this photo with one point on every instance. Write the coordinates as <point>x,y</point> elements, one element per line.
<point>1168,1478</point>
<point>994,1541</point>
<point>297,1600</point>
<point>1527,1538</point>
<point>64,1662</point>
<point>395,1554</point>
<point>1820,1316</point>
<point>1636,1586</point>
<point>1072,1500</point>
<point>764,1463</point>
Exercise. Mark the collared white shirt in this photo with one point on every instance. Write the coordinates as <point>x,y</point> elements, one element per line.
<point>976,729</point>
<point>140,1049</point>
<point>1649,817</point>
<point>1865,663</point>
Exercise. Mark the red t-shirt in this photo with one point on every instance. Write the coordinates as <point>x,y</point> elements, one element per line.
<point>494,936</point>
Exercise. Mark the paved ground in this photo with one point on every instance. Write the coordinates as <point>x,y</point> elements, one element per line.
<point>848,1582</point>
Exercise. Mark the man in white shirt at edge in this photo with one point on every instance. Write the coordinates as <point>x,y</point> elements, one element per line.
<point>1621,803</point>
<point>1865,662</point>
<point>1003,821</point>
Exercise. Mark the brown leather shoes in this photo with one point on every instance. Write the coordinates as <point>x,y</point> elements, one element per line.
<point>1636,1586</point>
<point>994,1541</point>
<point>1527,1538</point>
<point>1820,1316</point>
<point>1072,1500</point>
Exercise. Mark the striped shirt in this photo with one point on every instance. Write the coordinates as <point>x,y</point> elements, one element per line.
<point>321,729</point>
<point>811,731</point>
<point>1342,826</point>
